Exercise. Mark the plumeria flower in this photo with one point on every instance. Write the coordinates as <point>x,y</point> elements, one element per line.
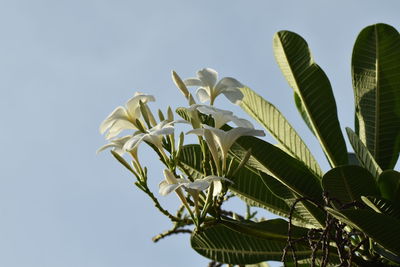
<point>116,144</point>
<point>209,88</point>
<point>223,140</point>
<point>153,136</point>
<point>123,118</point>
<point>168,185</point>
<point>221,116</point>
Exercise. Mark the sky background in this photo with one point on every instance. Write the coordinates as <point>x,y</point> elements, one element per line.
<point>65,65</point>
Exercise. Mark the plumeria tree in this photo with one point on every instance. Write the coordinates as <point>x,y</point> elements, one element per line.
<point>347,216</point>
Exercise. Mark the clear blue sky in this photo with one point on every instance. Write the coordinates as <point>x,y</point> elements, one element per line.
<point>64,65</point>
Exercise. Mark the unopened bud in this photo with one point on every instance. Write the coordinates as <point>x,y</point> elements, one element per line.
<point>180,84</point>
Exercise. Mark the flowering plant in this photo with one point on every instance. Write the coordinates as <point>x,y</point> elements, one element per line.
<point>348,216</point>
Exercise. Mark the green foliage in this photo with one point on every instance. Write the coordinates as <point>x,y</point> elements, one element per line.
<point>376,81</point>
<point>349,216</point>
<point>274,122</point>
<point>356,205</point>
<point>223,244</point>
<point>314,92</point>
<point>347,184</point>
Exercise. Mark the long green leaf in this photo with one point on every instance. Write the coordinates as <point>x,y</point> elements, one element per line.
<point>389,184</point>
<point>273,121</point>
<point>387,254</point>
<point>348,183</point>
<point>314,90</point>
<point>376,82</point>
<point>222,244</point>
<point>306,212</point>
<point>275,229</point>
<point>382,205</point>
<point>288,170</point>
<point>362,153</point>
<point>382,228</point>
<point>249,186</point>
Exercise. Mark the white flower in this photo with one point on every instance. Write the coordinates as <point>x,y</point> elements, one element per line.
<point>123,118</point>
<point>223,140</point>
<point>153,136</point>
<point>117,145</point>
<point>221,117</point>
<point>171,183</point>
<point>209,88</point>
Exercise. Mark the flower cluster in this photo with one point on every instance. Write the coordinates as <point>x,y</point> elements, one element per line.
<point>208,123</point>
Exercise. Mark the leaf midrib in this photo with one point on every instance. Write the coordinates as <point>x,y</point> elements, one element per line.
<point>316,130</point>
<point>250,252</point>
<point>377,95</point>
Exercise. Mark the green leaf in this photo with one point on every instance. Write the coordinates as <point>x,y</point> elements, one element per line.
<point>376,83</point>
<point>305,214</point>
<point>389,184</point>
<point>273,121</point>
<point>224,245</point>
<point>348,183</point>
<point>382,228</point>
<point>249,186</point>
<point>353,160</point>
<point>387,254</point>
<point>288,170</point>
<point>362,153</point>
<point>275,229</point>
<point>190,158</point>
<point>313,88</point>
<point>382,205</point>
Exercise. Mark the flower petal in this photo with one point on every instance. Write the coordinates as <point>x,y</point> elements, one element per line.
<point>211,110</point>
<point>233,134</point>
<point>226,83</point>
<point>212,178</point>
<point>170,177</point>
<point>234,95</point>
<point>165,188</point>
<point>134,141</point>
<point>193,82</point>
<point>116,144</point>
<point>242,122</point>
<point>197,131</point>
<point>198,185</point>
<point>163,131</point>
<point>208,76</point>
<point>217,188</point>
<point>202,94</point>
<point>230,87</point>
<point>153,139</point>
<point>117,114</point>
<point>133,106</point>
<point>118,126</point>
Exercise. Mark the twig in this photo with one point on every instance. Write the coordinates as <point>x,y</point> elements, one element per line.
<point>170,232</point>
<point>289,239</point>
